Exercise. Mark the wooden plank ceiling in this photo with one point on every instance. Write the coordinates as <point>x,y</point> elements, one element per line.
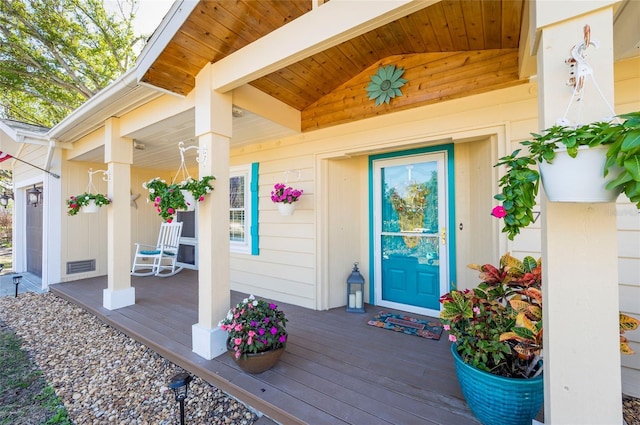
<point>449,50</point>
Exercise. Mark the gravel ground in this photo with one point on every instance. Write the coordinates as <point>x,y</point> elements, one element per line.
<point>631,410</point>
<point>102,375</point>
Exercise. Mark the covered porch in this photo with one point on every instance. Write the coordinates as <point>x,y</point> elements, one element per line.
<point>336,368</point>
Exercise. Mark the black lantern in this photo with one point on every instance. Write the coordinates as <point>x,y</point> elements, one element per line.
<point>33,196</point>
<point>180,384</point>
<point>16,281</point>
<point>4,199</point>
<point>355,291</point>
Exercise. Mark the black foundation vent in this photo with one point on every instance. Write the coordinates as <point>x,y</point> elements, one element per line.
<point>81,266</point>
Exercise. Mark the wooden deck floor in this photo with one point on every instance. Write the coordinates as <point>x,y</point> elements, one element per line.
<point>336,369</point>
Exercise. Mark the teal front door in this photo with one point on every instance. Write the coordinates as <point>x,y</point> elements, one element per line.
<point>410,240</point>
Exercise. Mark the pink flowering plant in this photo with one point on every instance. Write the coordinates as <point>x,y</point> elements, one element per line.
<point>168,199</point>
<point>497,326</point>
<point>285,194</point>
<point>254,326</point>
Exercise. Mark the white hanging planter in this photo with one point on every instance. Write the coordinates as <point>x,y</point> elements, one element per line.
<point>578,179</point>
<point>189,199</point>
<point>286,209</point>
<point>91,208</point>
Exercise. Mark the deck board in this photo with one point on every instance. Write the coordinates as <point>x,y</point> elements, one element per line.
<point>336,368</point>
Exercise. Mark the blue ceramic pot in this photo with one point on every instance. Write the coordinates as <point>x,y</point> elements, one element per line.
<point>497,400</point>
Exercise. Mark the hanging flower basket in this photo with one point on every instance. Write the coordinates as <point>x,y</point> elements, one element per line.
<point>168,199</point>
<point>285,196</point>
<point>86,202</point>
<point>579,179</point>
<point>286,209</point>
<point>90,208</point>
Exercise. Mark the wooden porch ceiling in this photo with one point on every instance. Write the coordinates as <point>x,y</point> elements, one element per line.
<point>450,49</point>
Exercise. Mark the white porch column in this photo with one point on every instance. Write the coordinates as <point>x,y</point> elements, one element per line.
<point>579,243</point>
<point>213,129</point>
<point>118,155</point>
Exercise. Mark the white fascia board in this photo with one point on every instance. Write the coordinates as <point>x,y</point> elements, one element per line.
<point>551,12</point>
<point>24,136</point>
<point>9,131</point>
<point>123,84</point>
<point>329,25</point>
<point>162,36</point>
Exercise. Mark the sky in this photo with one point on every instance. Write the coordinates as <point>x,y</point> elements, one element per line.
<point>149,16</point>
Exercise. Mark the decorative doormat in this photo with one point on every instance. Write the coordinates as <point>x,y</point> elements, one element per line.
<point>407,324</point>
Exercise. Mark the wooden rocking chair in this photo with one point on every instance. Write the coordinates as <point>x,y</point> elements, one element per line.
<point>159,260</point>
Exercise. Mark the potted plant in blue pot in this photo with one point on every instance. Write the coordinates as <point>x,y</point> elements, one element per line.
<point>496,329</point>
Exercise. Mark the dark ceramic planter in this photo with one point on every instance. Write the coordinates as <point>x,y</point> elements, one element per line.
<point>256,362</point>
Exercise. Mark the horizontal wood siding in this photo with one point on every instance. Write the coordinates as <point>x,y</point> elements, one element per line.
<point>84,235</point>
<point>286,265</point>
<point>33,154</point>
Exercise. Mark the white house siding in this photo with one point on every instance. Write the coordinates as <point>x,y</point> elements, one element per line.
<point>285,268</point>
<point>77,246</point>
<point>330,228</point>
<point>85,234</point>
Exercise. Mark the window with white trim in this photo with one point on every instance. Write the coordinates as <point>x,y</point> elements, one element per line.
<point>242,208</point>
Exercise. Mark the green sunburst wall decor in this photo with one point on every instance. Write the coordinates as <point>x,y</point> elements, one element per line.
<point>385,84</point>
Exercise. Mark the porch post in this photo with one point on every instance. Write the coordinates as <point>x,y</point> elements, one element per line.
<point>582,377</point>
<point>118,155</point>
<point>213,129</point>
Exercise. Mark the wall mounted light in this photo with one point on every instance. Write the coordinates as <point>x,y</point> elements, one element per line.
<point>4,199</point>
<point>33,196</point>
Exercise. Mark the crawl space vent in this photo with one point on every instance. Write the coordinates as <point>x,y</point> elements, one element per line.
<point>81,266</point>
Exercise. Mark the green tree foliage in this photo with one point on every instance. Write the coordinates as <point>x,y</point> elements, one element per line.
<point>56,54</point>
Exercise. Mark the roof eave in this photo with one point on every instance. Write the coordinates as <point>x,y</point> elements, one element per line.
<point>162,36</point>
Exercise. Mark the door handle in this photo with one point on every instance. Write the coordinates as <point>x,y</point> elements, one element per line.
<point>443,236</point>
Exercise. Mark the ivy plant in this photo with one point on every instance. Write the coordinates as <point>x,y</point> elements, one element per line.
<point>519,186</point>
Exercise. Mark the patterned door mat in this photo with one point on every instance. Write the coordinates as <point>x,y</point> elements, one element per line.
<point>431,329</point>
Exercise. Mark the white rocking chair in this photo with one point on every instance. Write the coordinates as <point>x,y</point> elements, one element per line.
<point>159,260</point>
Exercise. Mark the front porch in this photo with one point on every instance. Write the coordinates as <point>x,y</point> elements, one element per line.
<point>336,369</point>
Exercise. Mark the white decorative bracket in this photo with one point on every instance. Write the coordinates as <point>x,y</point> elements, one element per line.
<point>202,153</point>
<point>106,176</point>
<point>579,72</point>
<point>579,68</point>
<point>286,175</point>
<point>183,172</point>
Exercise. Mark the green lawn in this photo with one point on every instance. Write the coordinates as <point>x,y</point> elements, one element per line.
<point>25,396</point>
